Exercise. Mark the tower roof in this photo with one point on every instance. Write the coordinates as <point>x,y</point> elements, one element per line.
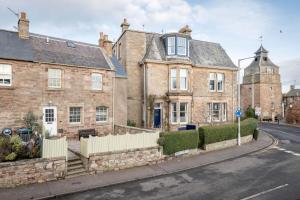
<point>261,50</point>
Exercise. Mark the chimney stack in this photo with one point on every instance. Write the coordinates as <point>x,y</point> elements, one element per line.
<point>125,25</point>
<point>186,30</point>
<point>105,43</point>
<point>23,26</point>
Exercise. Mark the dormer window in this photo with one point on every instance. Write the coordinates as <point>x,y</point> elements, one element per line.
<point>171,45</point>
<point>176,45</point>
<point>181,46</point>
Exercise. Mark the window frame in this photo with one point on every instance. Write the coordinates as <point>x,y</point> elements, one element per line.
<point>94,74</point>
<point>80,115</point>
<point>186,78</point>
<point>174,112</point>
<point>4,74</point>
<point>102,114</point>
<point>214,82</point>
<point>181,45</point>
<point>221,112</point>
<point>172,78</point>
<point>54,78</point>
<point>220,81</point>
<point>171,44</point>
<point>185,112</point>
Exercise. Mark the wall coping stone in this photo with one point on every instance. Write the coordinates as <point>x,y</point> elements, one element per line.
<point>123,151</point>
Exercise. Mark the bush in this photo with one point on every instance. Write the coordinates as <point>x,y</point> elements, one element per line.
<point>31,122</point>
<point>131,123</point>
<point>250,112</point>
<point>213,134</point>
<point>173,142</point>
<point>11,157</point>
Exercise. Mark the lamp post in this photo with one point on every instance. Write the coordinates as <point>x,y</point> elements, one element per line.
<point>239,98</point>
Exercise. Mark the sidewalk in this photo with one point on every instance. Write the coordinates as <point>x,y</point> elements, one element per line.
<point>83,183</point>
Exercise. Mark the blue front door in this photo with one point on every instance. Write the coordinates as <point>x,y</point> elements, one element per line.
<point>157,118</point>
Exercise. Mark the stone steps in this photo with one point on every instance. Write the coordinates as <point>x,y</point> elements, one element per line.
<point>75,168</point>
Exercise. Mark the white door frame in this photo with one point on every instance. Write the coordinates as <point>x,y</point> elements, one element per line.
<point>51,123</point>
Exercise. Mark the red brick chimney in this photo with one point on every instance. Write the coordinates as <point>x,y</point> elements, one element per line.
<point>105,43</point>
<point>23,26</point>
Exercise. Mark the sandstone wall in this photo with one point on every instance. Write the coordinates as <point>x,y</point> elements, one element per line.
<point>30,92</point>
<point>31,171</point>
<point>98,163</point>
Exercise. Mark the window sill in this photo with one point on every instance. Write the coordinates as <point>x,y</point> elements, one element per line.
<point>102,123</point>
<point>96,91</point>
<point>2,87</point>
<point>179,93</point>
<point>54,89</point>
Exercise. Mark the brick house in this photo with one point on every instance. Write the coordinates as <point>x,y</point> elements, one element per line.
<point>174,80</point>
<point>261,86</point>
<point>69,85</point>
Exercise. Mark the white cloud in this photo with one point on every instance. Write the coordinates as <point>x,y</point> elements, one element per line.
<point>290,73</point>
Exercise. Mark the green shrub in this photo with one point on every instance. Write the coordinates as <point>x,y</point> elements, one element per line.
<point>131,123</point>
<point>213,134</point>
<point>173,142</point>
<point>5,147</point>
<point>31,122</point>
<point>11,157</point>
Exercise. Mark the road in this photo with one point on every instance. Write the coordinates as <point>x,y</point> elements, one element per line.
<point>269,174</point>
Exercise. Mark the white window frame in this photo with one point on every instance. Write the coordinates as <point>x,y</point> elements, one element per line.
<point>183,74</point>
<point>222,112</point>
<point>181,46</point>
<point>54,76</point>
<point>101,112</point>
<point>220,80</point>
<point>97,80</point>
<point>171,45</point>
<point>212,77</point>
<point>5,74</point>
<point>174,120</point>
<point>80,115</point>
<point>173,76</point>
<point>185,112</point>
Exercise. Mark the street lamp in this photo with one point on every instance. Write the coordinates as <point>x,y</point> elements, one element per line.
<point>239,98</point>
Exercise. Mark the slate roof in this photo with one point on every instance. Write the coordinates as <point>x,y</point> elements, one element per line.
<point>36,49</point>
<point>120,71</point>
<point>293,93</point>
<point>260,61</point>
<point>202,53</point>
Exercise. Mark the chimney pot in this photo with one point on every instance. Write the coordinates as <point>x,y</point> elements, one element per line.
<point>105,43</point>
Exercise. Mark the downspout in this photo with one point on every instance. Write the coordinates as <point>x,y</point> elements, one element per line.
<point>113,102</point>
<point>145,96</point>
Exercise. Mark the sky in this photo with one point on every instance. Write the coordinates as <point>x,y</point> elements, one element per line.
<point>235,24</point>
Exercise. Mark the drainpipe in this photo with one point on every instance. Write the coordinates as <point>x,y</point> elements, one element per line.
<point>145,95</point>
<point>113,102</point>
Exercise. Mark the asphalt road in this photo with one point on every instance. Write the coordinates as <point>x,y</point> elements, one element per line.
<point>270,174</point>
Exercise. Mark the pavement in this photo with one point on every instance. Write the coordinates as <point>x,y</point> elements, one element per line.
<point>84,184</point>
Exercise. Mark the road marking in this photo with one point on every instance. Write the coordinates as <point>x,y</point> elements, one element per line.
<point>264,192</point>
<point>286,151</point>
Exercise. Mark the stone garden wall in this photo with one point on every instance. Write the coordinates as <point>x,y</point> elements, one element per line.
<point>31,171</point>
<point>119,129</point>
<point>227,143</point>
<point>100,162</point>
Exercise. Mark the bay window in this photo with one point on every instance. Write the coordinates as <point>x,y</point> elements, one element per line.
<point>5,75</point>
<point>181,110</point>
<point>183,79</point>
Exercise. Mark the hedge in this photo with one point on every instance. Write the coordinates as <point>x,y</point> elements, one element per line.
<point>175,141</point>
<point>213,134</point>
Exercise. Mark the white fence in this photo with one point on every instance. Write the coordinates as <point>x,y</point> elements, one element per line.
<point>55,148</point>
<point>111,143</point>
